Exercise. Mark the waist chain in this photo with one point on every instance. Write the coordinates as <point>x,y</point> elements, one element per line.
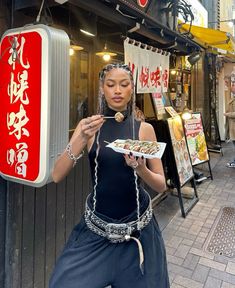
<point>117,232</point>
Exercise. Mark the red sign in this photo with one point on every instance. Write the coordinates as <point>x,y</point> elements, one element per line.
<point>20,92</point>
<point>142,3</point>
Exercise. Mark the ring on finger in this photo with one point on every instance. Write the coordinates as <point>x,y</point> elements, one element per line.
<point>134,165</point>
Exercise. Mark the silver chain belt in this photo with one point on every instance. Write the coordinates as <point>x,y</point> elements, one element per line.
<point>117,232</point>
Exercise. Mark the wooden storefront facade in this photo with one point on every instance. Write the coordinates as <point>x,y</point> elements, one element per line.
<point>36,222</point>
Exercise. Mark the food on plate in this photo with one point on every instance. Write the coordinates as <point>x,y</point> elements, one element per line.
<point>145,147</point>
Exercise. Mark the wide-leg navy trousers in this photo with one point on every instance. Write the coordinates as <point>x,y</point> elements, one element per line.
<point>91,261</point>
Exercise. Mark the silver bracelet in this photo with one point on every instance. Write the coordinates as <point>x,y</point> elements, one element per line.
<point>68,149</point>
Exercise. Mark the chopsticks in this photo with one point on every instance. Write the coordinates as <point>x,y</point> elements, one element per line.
<point>108,117</point>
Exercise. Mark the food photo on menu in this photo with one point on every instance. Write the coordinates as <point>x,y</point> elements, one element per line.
<point>182,157</point>
<point>196,139</point>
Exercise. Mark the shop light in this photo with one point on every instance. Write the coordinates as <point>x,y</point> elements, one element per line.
<point>74,48</point>
<point>194,57</point>
<point>61,1</point>
<point>87,33</point>
<point>106,57</point>
<point>186,114</point>
<point>173,72</point>
<point>71,51</point>
<point>105,54</point>
<point>88,26</point>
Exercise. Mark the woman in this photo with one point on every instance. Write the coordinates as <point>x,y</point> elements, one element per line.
<point>117,242</point>
<point>230,114</point>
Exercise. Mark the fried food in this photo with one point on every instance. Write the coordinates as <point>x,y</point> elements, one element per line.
<point>119,117</point>
<point>145,147</point>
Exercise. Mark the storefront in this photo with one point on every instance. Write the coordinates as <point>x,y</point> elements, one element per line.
<point>39,220</point>
<point>218,45</point>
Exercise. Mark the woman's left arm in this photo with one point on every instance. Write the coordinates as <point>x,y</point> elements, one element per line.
<point>152,174</point>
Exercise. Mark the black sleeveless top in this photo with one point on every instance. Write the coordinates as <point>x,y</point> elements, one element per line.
<point>116,191</point>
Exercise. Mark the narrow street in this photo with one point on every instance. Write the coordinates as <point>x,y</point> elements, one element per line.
<point>190,263</point>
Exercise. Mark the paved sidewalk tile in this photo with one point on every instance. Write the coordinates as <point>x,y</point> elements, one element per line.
<point>200,273</point>
<point>187,282</point>
<point>190,265</point>
<point>227,285</point>
<point>230,268</point>
<point>213,283</point>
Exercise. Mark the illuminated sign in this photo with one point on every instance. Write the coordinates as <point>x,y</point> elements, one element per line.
<point>142,3</point>
<point>26,100</point>
<point>199,12</point>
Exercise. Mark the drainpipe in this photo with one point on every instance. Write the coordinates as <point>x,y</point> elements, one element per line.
<point>3,192</point>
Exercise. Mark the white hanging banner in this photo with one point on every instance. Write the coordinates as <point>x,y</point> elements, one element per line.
<point>131,57</point>
<point>165,73</point>
<point>155,68</point>
<point>143,79</point>
<point>150,69</point>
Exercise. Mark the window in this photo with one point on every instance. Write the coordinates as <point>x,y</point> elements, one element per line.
<point>78,87</point>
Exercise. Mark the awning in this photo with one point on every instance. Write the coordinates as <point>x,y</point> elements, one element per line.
<point>210,37</point>
<point>142,26</point>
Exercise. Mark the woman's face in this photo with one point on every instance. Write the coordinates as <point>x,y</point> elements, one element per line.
<point>117,89</point>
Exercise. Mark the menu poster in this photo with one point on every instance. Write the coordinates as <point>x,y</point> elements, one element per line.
<point>158,102</point>
<point>196,139</point>
<point>171,111</point>
<point>182,157</point>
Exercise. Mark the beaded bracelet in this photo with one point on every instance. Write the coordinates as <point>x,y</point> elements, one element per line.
<point>68,149</point>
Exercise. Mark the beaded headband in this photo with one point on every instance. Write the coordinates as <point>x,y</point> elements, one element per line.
<point>102,105</point>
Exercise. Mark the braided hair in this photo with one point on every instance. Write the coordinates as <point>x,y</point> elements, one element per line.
<point>102,104</point>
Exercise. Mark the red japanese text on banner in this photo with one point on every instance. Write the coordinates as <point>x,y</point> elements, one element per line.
<point>150,67</point>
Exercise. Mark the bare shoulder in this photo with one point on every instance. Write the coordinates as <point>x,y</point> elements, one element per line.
<point>147,132</point>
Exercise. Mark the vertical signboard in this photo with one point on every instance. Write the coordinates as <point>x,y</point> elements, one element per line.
<point>28,79</point>
<point>21,107</point>
<point>182,158</point>
<point>158,103</point>
<point>196,139</point>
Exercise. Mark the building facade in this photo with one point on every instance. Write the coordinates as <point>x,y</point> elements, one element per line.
<point>36,222</point>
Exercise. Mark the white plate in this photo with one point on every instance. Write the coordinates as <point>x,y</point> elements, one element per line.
<point>159,154</point>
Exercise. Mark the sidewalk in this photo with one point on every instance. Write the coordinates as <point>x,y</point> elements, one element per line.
<point>190,265</point>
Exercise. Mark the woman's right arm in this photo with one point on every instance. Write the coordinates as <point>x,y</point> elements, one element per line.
<point>84,132</point>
